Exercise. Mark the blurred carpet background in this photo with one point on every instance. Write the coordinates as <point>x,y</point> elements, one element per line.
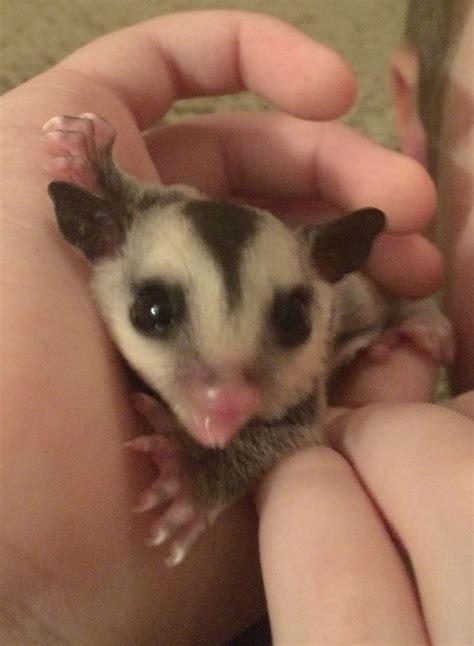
<point>34,34</point>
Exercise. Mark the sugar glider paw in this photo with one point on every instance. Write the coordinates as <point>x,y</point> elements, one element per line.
<point>422,325</point>
<point>182,517</point>
<point>76,146</point>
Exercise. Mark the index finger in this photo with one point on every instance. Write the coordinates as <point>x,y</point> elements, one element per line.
<point>318,535</point>
<point>203,53</point>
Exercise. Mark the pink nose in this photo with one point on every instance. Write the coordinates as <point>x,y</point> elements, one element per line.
<point>221,402</point>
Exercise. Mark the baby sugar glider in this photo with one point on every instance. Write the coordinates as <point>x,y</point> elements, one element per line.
<point>234,320</point>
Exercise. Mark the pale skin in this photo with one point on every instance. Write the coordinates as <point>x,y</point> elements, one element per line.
<point>414,460</point>
<point>72,555</point>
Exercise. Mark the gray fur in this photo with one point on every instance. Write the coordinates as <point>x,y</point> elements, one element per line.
<point>228,473</point>
<point>132,196</point>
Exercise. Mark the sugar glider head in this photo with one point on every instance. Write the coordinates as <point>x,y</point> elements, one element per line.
<point>220,308</point>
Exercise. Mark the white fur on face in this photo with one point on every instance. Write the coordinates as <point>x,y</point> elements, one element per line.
<point>164,246</point>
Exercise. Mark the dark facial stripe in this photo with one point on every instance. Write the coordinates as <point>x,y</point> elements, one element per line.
<point>225,229</point>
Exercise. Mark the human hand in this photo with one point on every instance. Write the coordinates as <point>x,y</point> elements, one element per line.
<point>66,414</point>
<point>373,543</point>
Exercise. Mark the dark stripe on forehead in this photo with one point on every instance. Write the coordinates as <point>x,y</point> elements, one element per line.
<point>225,229</point>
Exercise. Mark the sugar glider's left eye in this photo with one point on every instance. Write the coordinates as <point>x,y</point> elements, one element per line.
<point>157,309</point>
<point>290,316</point>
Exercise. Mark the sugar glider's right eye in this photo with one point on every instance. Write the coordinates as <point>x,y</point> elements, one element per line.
<point>157,309</point>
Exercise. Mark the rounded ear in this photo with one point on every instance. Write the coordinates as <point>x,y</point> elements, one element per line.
<point>86,221</point>
<point>341,246</point>
<point>404,78</point>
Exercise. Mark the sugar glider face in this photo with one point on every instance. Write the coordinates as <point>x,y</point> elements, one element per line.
<point>220,308</point>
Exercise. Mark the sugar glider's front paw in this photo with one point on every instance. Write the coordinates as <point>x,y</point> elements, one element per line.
<point>182,517</point>
<point>76,146</point>
<point>422,325</point>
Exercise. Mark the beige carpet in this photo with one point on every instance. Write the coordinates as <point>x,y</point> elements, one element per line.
<point>37,33</point>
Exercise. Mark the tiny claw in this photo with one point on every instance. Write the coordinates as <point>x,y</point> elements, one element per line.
<point>176,556</point>
<point>143,443</point>
<point>159,538</point>
<point>182,546</point>
<point>173,519</point>
<point>160,493</point>
<point>149,500</point>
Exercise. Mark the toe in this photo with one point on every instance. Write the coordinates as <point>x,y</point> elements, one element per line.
<point>160,493</point>
<point>179,513</point>
<point>181,546</point>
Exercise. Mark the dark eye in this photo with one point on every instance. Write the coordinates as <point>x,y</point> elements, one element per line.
<point>290,316</point>
<point>157,309</point>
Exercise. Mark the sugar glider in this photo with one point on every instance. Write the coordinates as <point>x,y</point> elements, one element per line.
<point>234,320</point>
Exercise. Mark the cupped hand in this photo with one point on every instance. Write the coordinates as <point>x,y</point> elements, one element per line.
<point>71,552</point>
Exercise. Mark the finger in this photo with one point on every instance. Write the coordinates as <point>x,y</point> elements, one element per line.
<point>281,157</point>
<point>318,537</point>
<point>412,377</point>
<point>464,404</point>
<point>406,266</point>
<point>289,162</point>
<point>416,463</point>
<point>152,64</point>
